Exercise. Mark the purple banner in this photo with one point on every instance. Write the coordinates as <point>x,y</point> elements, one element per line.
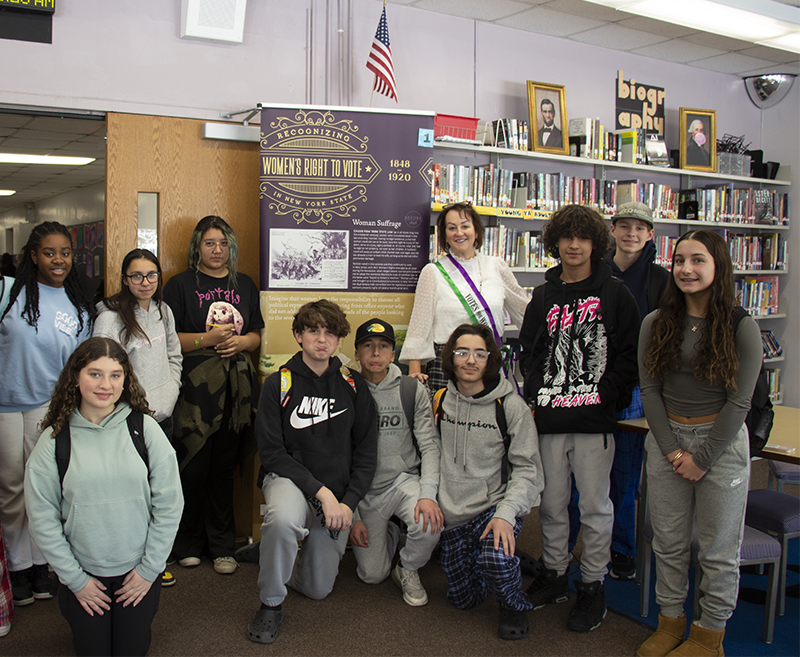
<point>345,199</point>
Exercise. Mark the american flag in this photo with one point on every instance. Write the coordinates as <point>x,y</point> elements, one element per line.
<point>380,60</point>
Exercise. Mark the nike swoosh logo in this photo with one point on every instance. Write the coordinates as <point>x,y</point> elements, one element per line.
<point>298,422</point>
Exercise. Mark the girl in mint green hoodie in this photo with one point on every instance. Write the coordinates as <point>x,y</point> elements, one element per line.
<point>107,527</point>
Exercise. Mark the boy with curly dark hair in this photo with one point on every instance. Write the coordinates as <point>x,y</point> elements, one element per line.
<point>579,340</point>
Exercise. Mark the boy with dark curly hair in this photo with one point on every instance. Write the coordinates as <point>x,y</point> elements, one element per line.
<point>579,340</point>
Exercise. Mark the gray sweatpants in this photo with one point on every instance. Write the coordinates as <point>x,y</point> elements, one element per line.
<point>718,501</point>
<point>289,519</point>
<point>589,457</point>
<point>399,500</point>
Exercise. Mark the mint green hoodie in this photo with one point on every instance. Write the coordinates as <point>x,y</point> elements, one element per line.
<point>111,517</point>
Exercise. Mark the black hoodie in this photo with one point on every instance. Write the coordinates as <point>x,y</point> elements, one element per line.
<point>583,374</point>
<point>326,434</point>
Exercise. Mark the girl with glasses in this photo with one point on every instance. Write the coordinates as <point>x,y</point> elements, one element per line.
<point>143,324</point>
<point>218,319</point>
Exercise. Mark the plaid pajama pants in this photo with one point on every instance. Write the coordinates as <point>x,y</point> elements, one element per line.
<point>475,569</point>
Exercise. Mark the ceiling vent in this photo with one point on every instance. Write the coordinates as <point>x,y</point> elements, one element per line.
<point>213,20</point>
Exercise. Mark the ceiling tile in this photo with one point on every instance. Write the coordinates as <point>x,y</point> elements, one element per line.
<point>771,54</point>
<point>13,120</point>
<point>74,126</point>
<point>656,27</point>
<point>775,68</point>
<point>731,63</point>
<point>474,9</point>
<point>586,10</point>
<point>677,50</point>
<point>718,41</point>
<point>542,20</point>
<point>618,38</point>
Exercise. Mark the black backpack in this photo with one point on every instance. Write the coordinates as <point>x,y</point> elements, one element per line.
<point>761,416</point>
<point>135,422</point>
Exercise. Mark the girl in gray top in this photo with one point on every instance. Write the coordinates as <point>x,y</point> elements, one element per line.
<point>697,378</point>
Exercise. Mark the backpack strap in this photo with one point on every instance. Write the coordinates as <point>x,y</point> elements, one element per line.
<point>502,425</point>
<point>347,376</point>
<point>408,396</point>
<point>438,400</point>
<point>135,422</point>
<point>286,385</point>
<point>737,316</point>
<point>656,284</point>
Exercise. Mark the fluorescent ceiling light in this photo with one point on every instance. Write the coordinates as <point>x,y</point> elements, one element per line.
<point>7,192</point>
<point>762,21</point>
<point>790,42</point>
<point>20,158</point>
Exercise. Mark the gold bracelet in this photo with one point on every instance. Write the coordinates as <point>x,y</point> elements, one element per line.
<point>677,456</point>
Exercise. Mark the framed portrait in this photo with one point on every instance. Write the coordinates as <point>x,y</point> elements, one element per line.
<point>547,114</point>
<point>698,139</point>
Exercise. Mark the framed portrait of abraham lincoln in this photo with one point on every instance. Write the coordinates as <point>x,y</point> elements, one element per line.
<point>547,113</point>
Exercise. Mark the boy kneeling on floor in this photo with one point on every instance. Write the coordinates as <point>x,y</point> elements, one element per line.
<point>489,479</point>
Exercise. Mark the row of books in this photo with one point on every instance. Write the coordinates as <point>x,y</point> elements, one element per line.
<point>588,138</point>
<point>510,133</point>
<point>519,248</point>
<point>484,185</point>
<point>724,203</point>
<point>774,383</point>
<point>772,348</point>
<point>758,295</point>
<point>748,252</point>
<point>550,191</point>
<point>661,199</point>
<point>756,252</point>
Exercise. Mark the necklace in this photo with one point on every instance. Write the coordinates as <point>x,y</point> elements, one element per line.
<point>695,326</point>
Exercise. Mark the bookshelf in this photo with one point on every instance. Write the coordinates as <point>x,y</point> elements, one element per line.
<point>526,220</point>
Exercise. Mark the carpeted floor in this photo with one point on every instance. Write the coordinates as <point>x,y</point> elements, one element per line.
<point>206,614</point>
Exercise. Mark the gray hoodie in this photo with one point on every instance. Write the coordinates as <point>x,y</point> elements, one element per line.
<point>396,451</point>
<point>157,362</point>
<point>472,456</point>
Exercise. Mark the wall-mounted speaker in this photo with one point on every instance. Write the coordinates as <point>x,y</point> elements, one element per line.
<point>214,20</point>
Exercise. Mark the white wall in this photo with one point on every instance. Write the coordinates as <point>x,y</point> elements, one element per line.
<point>126,56</point>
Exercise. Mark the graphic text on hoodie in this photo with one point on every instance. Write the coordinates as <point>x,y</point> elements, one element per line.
<point>313,410</point>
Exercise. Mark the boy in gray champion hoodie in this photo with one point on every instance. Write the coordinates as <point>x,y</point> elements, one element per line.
<point>407,476</point>
<point>486,485</point>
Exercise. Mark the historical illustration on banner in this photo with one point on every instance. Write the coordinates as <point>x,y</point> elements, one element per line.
<point>345,214</point>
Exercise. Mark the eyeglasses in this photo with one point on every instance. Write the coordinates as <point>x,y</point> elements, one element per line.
<point>211,244</point>
<point>137,279</point>
<point>463,354</point>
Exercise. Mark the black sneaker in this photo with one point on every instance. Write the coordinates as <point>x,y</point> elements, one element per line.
<point>622,566</point>
<point>40,582</point>
<point>21,587</point>
<point>548,587</point>
<point>590,608</point>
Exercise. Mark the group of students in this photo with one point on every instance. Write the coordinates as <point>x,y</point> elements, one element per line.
<point>345,454</point>
<point>101,400</point>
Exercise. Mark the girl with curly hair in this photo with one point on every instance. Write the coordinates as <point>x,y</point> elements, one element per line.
<point>697,377</point>
<point>108,526</point>
<point>44,317</point>
<point>218,319</point>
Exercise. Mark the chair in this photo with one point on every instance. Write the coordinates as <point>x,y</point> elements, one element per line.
<point>783,473</point>
<point>757,548</point>
<point>779,514</point>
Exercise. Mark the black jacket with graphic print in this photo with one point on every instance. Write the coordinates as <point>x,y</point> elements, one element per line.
<point>326,434</point>
<point>582,375</point>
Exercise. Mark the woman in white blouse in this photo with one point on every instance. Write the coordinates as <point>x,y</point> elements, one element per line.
<point>460,279</point>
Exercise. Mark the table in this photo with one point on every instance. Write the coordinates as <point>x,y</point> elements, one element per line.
<point>785,432</point>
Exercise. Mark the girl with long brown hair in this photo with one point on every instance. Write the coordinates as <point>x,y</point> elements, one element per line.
<point>107,523</point>
<point>697,377</point>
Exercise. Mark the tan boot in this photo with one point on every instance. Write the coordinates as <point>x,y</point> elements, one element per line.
<point>669,635</point>
<point>701,643</point>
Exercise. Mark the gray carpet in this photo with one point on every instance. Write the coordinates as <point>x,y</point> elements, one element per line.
<point>206,614</point>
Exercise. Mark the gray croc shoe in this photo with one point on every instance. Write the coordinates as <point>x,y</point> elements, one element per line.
<point>264,627</point>
<point>513,625</point>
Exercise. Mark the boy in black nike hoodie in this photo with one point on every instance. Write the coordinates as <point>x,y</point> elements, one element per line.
<point>579,359</point>
<point>317,434</point>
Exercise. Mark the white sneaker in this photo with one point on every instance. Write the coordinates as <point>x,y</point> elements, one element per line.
<point>225,565</point>
<point>408,581</point>
<point>189,562</point>
<point>5,629</point>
